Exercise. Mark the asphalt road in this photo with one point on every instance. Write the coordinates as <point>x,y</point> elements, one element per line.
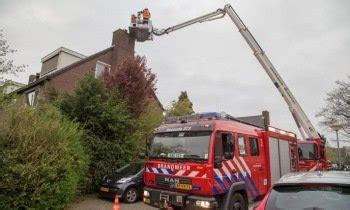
<point>93,202</point>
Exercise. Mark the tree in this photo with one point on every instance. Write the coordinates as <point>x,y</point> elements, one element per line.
<point>6,65</point>
<point>107,126</point>
<point>337,109</point>
<point>183,106</point>
<point>144,126</point>
<point>5,99</point>
<point>135,83</point>
<point>331,155</point>
<point>101,113</point>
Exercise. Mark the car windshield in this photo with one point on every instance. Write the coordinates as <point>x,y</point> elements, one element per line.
<point>130,169</point>
<point>181,145</point>
<point>307,151</point>
<point>312,197</point>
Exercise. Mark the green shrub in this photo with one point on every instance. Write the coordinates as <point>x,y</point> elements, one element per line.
<point>42,161</point>
<point>107,126</point>
<point>106,156</point>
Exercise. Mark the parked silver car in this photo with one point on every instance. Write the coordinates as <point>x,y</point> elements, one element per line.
<point>309,190</point>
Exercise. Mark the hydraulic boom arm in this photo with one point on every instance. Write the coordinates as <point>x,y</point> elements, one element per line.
<point>305,126</point>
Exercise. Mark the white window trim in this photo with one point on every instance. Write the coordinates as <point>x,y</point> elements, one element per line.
<point>31,96</point>
<point>102,63</point>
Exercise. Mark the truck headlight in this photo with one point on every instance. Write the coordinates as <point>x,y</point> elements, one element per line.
<point>145,193</point>
<point>203,204</point>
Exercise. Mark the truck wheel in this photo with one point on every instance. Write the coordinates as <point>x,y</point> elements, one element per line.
<point>237,202</point>
<point>130,195</point>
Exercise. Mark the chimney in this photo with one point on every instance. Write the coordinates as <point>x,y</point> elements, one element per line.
<point>124,46</point>
<point>266,116</point>
<point>31,78</point>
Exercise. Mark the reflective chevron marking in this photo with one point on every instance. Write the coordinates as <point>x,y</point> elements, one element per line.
<point>217,172</point>
<point>180,172</point>
<point>237,164</point>
<point>193,174</point>
<point>228,174</point>
<point>245,166</point>
<point>230,164</point>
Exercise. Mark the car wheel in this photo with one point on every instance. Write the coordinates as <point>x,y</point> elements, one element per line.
<point>238,202</point>
<point>130,195</point>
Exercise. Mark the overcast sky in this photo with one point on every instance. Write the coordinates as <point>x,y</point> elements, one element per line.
<point>307,41</point>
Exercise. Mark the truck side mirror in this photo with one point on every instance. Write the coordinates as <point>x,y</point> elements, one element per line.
<point>217,162</point>
<point>317,152</point>
<point>228,155</point>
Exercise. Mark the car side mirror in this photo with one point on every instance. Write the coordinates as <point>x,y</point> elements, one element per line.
<point>217,162</point>
<point>148,143</point>
<point>228,155</point>
<point>142,155</point>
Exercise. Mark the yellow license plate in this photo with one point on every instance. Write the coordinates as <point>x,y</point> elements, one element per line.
<point>104,189</point>
<point>183,186</point>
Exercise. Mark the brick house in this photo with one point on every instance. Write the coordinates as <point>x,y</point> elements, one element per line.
<point>9,86</point>
<point>63,69</point>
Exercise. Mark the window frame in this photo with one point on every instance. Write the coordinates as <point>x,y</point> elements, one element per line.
<point>232,145</point>
<point>245,145</point>
<point>218,147</point>
<point>106,65</point>
<point>34,100</point>
<point>256,140</point>
<point>219,135</point>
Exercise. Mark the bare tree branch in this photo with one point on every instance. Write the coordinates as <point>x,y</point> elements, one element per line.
<point>7,66</point>
<point>337,109</point>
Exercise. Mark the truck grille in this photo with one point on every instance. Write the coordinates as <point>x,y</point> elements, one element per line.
<point>169,182</point>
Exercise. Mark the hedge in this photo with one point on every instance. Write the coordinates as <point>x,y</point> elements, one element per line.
<point>42,160</point>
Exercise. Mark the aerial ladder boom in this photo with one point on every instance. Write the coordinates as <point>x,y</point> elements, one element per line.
<point>304,125</point>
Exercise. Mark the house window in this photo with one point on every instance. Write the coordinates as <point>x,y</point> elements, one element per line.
<point>254,146</point>
<point>32,98</point>
<point>242,145</point>
<point>100,68</point>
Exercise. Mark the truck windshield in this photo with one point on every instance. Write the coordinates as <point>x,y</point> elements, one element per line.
<point>181,145</point>
<point>307,151</point>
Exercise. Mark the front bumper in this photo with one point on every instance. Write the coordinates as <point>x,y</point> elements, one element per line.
<point>163,199</point>
<point>110,191</point>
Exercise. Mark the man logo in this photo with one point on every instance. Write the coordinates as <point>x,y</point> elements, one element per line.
<point>171,180</point>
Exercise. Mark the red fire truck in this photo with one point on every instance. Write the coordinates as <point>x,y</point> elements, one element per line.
<point>212,160</point>
<point>311,138</point>
<point>164,186</point>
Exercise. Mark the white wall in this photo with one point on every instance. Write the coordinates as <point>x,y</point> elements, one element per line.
<point>66,59</point>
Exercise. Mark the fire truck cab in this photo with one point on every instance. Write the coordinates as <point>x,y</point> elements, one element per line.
<point>311,155</point>
<point>215,161</point>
